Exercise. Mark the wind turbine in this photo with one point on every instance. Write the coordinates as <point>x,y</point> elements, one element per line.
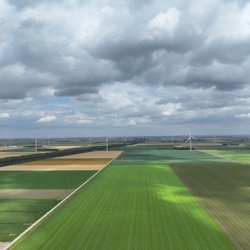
<point>36,145</point>
<point>107,144</point>
<point>190,140</point>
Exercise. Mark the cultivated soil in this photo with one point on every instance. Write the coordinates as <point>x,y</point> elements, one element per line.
<point>78,162</point>
<point>94,154</point>
<point>63,147</point>
<point>34,193</point>
<point>68,167</point>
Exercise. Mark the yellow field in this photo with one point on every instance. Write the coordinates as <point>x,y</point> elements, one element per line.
<point>63,147</point>
<point>94,155</point>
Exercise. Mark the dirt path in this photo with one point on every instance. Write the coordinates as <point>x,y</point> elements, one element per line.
<point>4,245</point>
<point>34,193</point>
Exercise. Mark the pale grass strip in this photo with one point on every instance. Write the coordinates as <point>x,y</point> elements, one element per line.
<point>58,205</point>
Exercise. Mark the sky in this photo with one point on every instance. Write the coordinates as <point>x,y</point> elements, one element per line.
<point>124,68</point>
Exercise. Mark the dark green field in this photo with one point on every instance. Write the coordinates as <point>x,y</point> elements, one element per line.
<point>167,156</point>
<point>17,215</point>
<point>137,203</point>
<point>224,190</point>
<point>43,179</point>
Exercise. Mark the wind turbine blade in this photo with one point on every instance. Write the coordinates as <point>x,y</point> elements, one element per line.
<point>188,139</point>
<point>195,138</point>
<point>189,132</point>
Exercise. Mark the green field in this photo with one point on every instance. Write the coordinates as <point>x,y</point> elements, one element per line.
<point>242,156</point>
<point>17,215</point>
<point>43,179</point>
<point>224,190</point>
<point>167,156</point>
<point>131,205</point>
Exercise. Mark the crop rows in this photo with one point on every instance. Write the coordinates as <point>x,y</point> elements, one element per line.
<point>224,190</point>
<point>133,206</point>
<point>17,215</point>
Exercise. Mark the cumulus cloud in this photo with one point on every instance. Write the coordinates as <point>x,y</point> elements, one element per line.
<point>165,21</point>
<point>47,119</point>
<point>124,63</point>
<point>4,115</point>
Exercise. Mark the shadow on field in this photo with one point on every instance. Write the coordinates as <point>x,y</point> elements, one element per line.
<point>228,181</point>
<point>224,189</point>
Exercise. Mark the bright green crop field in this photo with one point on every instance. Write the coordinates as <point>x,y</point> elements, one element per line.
<point>242,156</point>
<point>17,215</point>
<point>43,179</point>
<point>130,206</point>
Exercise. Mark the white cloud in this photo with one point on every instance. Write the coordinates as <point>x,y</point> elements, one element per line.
<point>166,21</point>
<point>83,120</point>
<point>243,116</point>
<point>4,115</point>
<point>47,119</point>
<point>170,108</point>
<point>137,63</point>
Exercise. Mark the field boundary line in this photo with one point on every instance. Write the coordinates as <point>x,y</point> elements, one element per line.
<point>219,156</point>
<point>58,205</point>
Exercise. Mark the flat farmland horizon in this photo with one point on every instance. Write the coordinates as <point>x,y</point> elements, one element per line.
<point>132,205</point>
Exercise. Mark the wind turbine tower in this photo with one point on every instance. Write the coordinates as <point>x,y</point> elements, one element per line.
<point>107,144</point>
<point>36,145</point>
<point>190,140</point>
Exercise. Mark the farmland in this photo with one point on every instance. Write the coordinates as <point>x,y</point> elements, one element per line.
<point>11,154</point>
<point>136,203</point>
<point>167,156</point>
<point>241,156</point>
<point>223,189</point>
<point>78,162</point>
<point>43,179</point>
<point>26,195</point>
<point>18,214</point>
